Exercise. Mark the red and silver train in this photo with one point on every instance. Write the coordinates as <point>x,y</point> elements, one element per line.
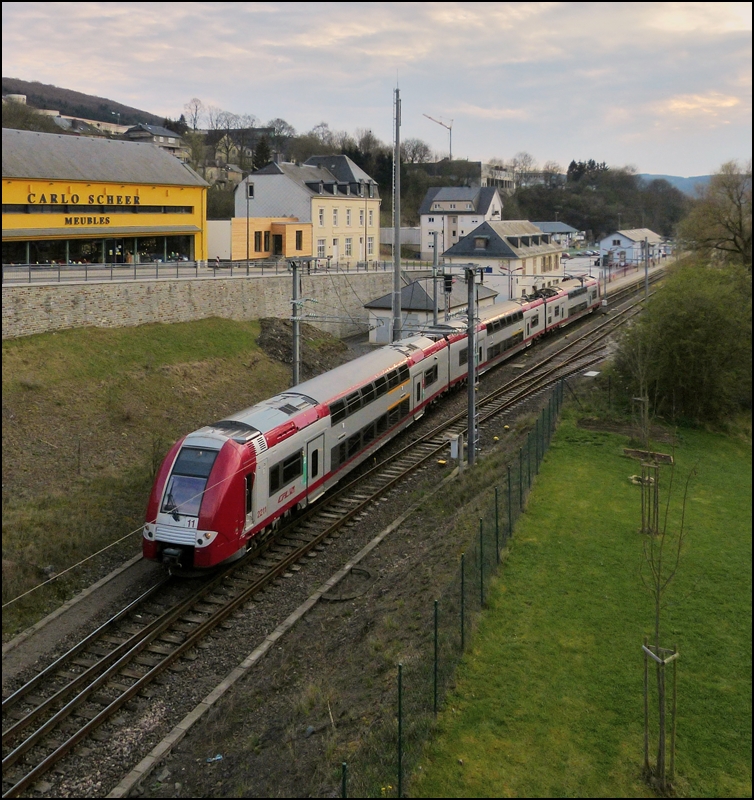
<point>223,485</point>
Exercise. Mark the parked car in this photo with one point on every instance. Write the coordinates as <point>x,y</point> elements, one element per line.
<point>566,256</point>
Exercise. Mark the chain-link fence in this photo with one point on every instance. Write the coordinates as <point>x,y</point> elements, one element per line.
<point>392,748</point>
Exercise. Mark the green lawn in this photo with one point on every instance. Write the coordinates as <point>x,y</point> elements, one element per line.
<point>549,697</point>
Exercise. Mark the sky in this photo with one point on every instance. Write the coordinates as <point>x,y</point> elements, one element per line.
<point>662,87</point>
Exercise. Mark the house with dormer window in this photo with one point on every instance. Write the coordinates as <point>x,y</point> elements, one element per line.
<point>453,212</point>
<point>331,194</point>
<point>161,137</point>
<point>522,256</point>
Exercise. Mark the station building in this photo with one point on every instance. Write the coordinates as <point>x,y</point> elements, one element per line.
<point>74,199</point>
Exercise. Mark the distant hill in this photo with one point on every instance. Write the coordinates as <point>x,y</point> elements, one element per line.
<point>77,104</point>
<point>686,185</point>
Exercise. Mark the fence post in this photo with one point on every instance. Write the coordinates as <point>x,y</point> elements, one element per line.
<point>343,775</point>
<point>528,461</point>
<point>510,505</point>
<point>436,656</point>
<point>646,709</point>
<point>520,479</point>
<point>463,559</point>
<point>481,564</point>
<point>497,522</point>
<point>400,730</point>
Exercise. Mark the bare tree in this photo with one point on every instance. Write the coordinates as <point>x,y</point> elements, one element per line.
<point>416,151</point>
<point>194,109</point>
<point>281,134</point>
<point>524,165</point>
<point>552,172</point>
<point>322,132</point>
<point>662,556</point>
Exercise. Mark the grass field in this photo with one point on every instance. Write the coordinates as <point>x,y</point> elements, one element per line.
<point>87,416</point>
<point>549,697</point>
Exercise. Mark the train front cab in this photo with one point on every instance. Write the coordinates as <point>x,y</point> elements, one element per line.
<point>199,502</point>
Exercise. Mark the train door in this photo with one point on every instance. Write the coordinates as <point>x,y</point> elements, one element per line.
<point>249,501</point>
<point>315,467</point>
<point>418,394</point>
<point>261,490</point>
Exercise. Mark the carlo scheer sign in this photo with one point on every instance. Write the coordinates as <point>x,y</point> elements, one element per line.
<point>75,199</point>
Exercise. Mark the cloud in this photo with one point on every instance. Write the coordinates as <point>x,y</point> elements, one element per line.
<point>648,83</point>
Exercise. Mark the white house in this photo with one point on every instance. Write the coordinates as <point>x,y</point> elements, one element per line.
<point>523,258</point>
<point>627,247</point>
<point>453,212</point>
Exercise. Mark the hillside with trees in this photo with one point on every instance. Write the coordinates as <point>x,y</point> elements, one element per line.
<point>77,104</point>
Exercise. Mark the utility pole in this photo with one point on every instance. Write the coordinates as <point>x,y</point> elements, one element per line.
<point>450,133</point>
<point>435,261</point>
<point>472,434</point>
<point>397,221</point>
<point>247,226</point>
<point>296,322</point>
<point>646,268</point>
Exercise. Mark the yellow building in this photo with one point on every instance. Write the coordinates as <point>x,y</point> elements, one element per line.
<point>72,199</point>
<point>263,237</point>
<point>338,200</point>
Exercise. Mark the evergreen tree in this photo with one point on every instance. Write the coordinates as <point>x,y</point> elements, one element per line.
<point>262,154</point>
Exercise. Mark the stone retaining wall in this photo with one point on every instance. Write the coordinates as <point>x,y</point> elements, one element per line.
<point>37,309</point>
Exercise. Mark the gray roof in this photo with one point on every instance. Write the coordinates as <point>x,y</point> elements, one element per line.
<point>317,170</point>
<point>155,130</point>
<point>53,156</point>
<point>555,227</point>
<point>480,198</point>
<point>341,167</point>
<point>417,296</point>
<point>506,239</point>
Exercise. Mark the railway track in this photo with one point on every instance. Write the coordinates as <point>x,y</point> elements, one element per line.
<point>48,717</point>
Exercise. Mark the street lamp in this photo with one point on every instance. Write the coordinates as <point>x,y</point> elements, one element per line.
<point>116,114</point>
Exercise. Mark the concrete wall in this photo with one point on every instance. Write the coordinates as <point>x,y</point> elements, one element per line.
<point>38,309</point>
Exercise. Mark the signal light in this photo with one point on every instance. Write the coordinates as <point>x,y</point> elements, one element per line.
<point>448,283</point>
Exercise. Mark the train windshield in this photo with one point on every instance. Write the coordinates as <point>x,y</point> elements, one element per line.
<point>188,480</point>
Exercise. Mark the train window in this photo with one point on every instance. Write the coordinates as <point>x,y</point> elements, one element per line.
<point>380,386</point>
<point>354,444</point>
<point>535,321</point>
<point>314,465</point>
<point>188,480</point>
<point>368,434</point>
<point>557,311</point>
<point>353,403</point>
<point>367,394</point>
<point>292,467</point>
<point>382,424</point>
<point>463,356</point>
<point>194,462</point>
<point>275,478</point>
<point>338,410</point>
<point>393,379</point>
<point>430,376</point>
<point>337,455</point>
<point>403,374</point>
<point>249,495</point>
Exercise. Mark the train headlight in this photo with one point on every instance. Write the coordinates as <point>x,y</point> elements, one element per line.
<point>149,531</point>
<point>203,538</point>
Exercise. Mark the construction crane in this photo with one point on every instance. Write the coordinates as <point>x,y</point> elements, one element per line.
<point>450,132</point>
